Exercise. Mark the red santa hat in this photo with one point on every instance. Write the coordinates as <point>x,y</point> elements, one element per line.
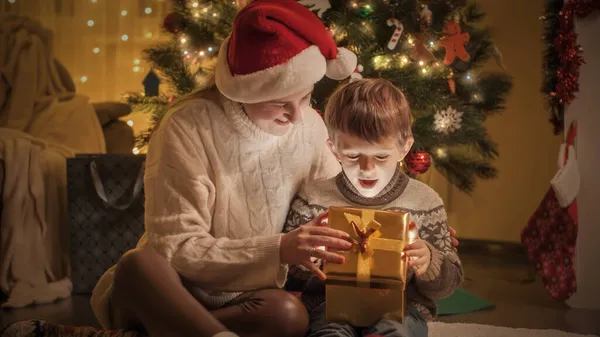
<point>278,48</point>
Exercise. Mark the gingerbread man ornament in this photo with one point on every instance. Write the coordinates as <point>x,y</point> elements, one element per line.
<point>454,43</point>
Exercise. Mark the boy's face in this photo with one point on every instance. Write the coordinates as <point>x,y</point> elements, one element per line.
<point>370,167</point>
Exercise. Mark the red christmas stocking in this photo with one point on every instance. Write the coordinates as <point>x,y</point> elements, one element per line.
<point>551,233</point>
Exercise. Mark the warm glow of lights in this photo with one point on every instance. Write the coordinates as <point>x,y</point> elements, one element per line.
<point>215,15</point>
<point>185,52</point>
<point>201,53</point>
<point>196,15</point>
<point>195,5</point>
<point>205,10</point>
<point>410,40</point>
<point>96,50</point>
<point>354,4</point>
<point>424,70</point>
<point>135,150</point>
<point>381,61</point>
<point>11,1</point>
<point>136,69</point>
<point>136,61</point>
<point>432,43</point>
<point>83,79</point>
<point>468,77</point>
<point>94,1</point>
<point>130,122</point>
<point>209,48</point>
<point>183,40</point>
<point>148,10</point>
<point>404,59</point>
<point>123,13</point>
<point>411,236</point>
<point>124,37</point>
<point>421,63</point>
<point>90,23</point>
<point>440,152</point>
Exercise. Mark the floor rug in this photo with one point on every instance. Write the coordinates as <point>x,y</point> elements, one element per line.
<point>441,329</point>
<point>38,328</point>
<point>462,302</point>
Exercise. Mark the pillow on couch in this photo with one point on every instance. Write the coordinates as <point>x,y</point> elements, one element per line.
<point>110,111</point>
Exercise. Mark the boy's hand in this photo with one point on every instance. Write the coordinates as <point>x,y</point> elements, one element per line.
<point>419,256</point>
<point>417,252</point>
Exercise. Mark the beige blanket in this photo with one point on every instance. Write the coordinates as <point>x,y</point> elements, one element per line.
<point>41,124</point>
<point>440,329</point>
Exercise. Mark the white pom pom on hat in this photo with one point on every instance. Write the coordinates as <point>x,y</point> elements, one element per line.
<point>337,69</point>
<point>278,48</point>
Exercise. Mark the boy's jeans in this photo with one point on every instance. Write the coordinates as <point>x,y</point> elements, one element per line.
<point>414,326</point>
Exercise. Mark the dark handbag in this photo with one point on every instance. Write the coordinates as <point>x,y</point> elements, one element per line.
<point>106,212</point>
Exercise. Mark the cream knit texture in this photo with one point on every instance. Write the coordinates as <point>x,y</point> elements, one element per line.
<point>218,190</point>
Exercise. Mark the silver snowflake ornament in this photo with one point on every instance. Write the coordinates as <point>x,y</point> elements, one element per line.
<point>447,121</point>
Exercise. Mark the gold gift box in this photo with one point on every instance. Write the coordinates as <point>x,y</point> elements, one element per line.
<point>370,284</point>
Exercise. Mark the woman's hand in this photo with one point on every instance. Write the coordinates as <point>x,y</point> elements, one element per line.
<point>455,242</point>
<point>299,245</point>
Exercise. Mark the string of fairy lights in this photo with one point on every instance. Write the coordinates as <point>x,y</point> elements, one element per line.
<point>124,37</point>
<point>380,62</point>
<point>195,57</point>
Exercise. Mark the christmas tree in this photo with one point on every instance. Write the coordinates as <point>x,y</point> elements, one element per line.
<point>432,50</point>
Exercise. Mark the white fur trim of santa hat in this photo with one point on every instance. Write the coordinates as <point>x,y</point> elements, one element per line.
<point>295,75</point>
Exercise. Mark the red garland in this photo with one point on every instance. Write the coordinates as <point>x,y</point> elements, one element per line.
<point>568,50</point>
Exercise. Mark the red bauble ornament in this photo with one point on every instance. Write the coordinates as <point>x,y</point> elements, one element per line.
<point>417,162</point>
<point>174,23</point>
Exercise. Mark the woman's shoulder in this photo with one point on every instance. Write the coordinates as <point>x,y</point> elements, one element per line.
<point>194,109</point>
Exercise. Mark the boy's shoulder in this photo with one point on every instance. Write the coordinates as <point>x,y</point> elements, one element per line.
<point>418,196</point>
<point>320,191</point>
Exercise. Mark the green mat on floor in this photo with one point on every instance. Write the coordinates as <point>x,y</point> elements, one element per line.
<point>462,302</point>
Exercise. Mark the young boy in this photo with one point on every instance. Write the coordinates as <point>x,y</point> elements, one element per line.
<point>370,133</point>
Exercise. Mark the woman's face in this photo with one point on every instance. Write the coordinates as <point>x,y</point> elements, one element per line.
<point>276,117</point>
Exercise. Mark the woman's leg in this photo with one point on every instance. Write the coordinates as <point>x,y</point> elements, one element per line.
<point>265,313</point>
<point>148,294</point>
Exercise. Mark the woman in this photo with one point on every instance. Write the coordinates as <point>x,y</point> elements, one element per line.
<point>221,171</point>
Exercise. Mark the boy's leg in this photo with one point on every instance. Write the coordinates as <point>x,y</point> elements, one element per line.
<point>318,326</point>
<point>414,325</point>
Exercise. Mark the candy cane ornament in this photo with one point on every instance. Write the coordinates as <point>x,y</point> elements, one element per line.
<point>397,33</point>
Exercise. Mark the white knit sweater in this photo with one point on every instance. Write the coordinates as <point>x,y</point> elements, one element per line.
<point>218,190</point>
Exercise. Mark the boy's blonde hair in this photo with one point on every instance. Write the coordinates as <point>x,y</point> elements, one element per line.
<point>371,109</point>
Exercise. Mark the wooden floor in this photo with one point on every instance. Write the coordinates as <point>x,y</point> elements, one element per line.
<point>497,273</point>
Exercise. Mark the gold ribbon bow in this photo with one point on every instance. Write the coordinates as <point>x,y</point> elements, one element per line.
<point>369,240</point>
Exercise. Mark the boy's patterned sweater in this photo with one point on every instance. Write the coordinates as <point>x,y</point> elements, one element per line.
<point>426,209</point>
